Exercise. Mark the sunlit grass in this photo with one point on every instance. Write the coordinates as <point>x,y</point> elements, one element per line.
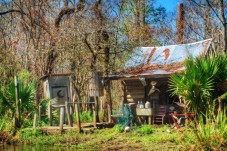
<point>146,137</point>
<point>136,138</point>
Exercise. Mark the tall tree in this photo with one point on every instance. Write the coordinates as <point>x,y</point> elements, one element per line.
<point>206,19</point>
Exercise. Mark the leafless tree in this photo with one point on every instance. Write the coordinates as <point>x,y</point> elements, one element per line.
<point>206,19</point>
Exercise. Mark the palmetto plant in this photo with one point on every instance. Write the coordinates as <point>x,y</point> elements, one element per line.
<point>26,98</point>
<point>197,84</point>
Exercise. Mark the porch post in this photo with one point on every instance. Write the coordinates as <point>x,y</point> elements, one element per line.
<point>109,103</point>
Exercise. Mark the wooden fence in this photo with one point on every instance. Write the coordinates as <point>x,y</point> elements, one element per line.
<point>69,108</point>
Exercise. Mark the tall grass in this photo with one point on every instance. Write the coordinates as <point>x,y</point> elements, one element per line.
<point>2,124</point>
<point>6,124</point>
<point>212,134</point>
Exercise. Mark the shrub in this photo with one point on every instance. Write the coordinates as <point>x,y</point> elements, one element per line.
<point>6,124</point>
<point>27,123</point>
<point>119,128</point>
<point>27,133</point>
<point>84,117</point>
<point>197,84</point>
<point>27,89</point>
<point>145,129</point>
<point>44,120</point>
<point>2,124</point>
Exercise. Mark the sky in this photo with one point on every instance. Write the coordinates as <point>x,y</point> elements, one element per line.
<point>169,5</point>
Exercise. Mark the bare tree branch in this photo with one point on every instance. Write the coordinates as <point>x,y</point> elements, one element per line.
<point>11,11</point>
<point>208,2</point>
<point>64,11</point>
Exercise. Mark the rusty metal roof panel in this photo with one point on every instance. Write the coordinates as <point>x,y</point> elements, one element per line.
<point>163,60</point>
<point>166,54</point>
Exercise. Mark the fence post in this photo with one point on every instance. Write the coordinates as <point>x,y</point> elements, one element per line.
<point>50,113</point>
<point>62,110</point>
<point>68,114</point>
<point>94,114</point>
<point>17,122</point>
<point>78,117</point>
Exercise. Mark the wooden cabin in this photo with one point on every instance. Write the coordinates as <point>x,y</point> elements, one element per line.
<point>155,65</point>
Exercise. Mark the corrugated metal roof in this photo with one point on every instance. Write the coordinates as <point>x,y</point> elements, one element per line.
<point>163,60</point>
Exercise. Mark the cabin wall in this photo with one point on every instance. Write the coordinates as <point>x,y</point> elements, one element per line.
<point>135,91</point>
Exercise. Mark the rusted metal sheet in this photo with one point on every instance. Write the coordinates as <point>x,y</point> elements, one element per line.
<point>163,60</point>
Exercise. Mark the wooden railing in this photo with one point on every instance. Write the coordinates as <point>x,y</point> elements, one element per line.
<point>66,108</point>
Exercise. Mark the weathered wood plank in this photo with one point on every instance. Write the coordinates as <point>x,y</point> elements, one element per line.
<point>135,96</point>
<point>134,91</point>
<point>134,100</point>
<point>134,84</point>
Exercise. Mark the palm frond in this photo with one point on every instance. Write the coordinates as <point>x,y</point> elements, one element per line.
<point>197,84</point>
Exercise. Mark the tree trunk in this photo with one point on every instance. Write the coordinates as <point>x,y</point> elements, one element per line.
<point>137,21</point>
<point>107,99</point>
<point>224,32</point>
<point>143,21</point>
<point>180,24</point>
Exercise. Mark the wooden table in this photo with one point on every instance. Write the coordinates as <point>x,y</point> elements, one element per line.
<point>145,112</point>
